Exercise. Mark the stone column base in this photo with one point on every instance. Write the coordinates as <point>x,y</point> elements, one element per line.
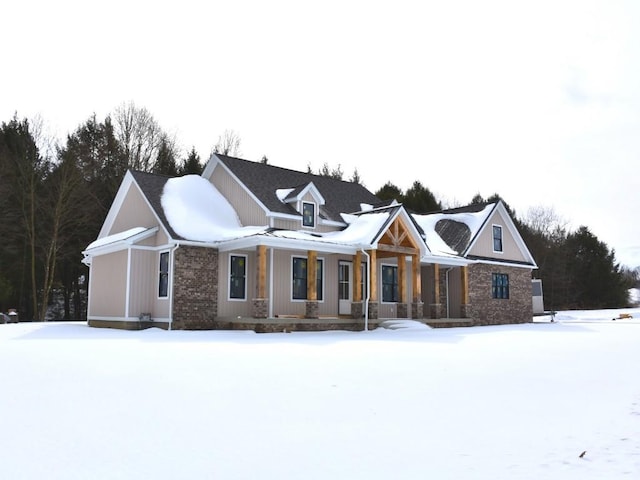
<point>260,307</point>
<point>417,310</point>
<point>402,310</point>
<point>311,309</point>
<point>435,309</point>
<point>373,310</point>
<point>357,310</point>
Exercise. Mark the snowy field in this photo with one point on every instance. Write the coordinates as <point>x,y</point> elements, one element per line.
<point>507,402</point>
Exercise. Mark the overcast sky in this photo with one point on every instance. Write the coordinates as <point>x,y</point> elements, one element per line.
<point>537,101</point>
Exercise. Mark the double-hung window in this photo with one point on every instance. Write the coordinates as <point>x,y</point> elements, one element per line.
<point>299,278</point>
<point>500,285</point>
<point>163,275</point>
<point>389,283</point>
<point>238,277</point>
<point>497,238</point>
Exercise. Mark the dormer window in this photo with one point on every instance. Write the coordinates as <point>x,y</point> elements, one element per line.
<point>308,214</point>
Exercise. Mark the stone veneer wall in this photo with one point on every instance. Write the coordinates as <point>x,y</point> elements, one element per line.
<point>485,310</point>
<point>195,288</point>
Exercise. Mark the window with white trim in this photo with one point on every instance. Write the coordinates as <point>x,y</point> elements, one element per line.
<point>163,275</point>
<point>497,238</point>
<point>299,278</point>
<point>238,277</point>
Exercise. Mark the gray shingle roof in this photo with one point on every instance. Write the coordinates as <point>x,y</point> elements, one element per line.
<point>152,185</point>
<point>263,180</point>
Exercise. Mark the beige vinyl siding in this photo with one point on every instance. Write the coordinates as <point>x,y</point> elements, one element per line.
<point>484,245</point>
<point>282,284</point>
<point>108,289</point>
<point>248,210</point>
<point>232,308</point>
<point>135,212</point>
<point>144,285</point>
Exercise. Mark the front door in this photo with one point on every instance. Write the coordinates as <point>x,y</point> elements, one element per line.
<point>344,288</point>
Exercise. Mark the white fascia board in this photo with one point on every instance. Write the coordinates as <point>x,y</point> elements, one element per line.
<point>506,263</point>
<point>126,184</point>
<point>511,226</point>
<point>116,204</point>
<point>480,230</point>
<point>311,188</point>
<point>445,260</point>
<point>424,249</point>
<point>288,244</point>
<point>123,243</point>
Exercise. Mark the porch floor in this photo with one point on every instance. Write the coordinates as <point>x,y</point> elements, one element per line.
<point>300,324</point>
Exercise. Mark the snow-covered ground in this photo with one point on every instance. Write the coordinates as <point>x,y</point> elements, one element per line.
<point>506,402</point>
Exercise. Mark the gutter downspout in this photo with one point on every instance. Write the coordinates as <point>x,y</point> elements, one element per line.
<point>172,257</point>
<point>270,282</point>
<point>366,300</point>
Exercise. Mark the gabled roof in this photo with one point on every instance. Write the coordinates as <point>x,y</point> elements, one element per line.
<point>263,181</point>
<point>152,186</point>
<point>458,229</point>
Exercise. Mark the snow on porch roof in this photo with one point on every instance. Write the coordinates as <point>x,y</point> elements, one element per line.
<point>129,236</point>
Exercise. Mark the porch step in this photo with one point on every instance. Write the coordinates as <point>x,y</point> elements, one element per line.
<point>404,324</point>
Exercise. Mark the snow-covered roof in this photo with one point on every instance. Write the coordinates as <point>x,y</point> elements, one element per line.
<point>197,211</point>
<point>472,219</point>
<point>117,237</point>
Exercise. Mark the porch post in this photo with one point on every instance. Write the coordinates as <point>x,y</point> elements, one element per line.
<point>373,285</point>
<point>436,306</point>
<point>401,306</point>
<point>417,306</point>
<point>357,310</point>
<point>261,303</point>
<point>464,288</point>
<point>312,292</point>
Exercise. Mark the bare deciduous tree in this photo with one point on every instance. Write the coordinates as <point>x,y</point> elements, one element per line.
<point>139,134</point>
<point>544,221</point>
<point>228,144</point>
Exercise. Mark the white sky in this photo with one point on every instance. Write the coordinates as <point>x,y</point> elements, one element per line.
<point>537,101</point>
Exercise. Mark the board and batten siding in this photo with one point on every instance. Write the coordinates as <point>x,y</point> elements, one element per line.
<point>135,212</point>
<point>283,304</point>
<point>144,285</point>
<point>247,209</point>
<point>484,244</point>
<point>228,307</point>
<point>108,289</point>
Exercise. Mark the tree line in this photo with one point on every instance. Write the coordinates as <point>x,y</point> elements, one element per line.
<point>55,195</point>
